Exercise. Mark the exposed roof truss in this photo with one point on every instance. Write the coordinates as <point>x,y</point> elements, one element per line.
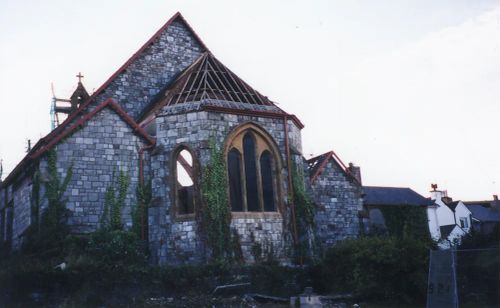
<point>208,78</point>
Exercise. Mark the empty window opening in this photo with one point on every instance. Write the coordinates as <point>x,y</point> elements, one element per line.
<point>185,183</point>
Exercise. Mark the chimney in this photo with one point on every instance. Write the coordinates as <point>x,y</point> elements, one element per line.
<point>447,200</point>
<point>435,193</point>
<point>355,172</point>
<point>495,205</point>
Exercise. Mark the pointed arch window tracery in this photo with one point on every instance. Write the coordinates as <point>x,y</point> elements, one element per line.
<point>252,166</point>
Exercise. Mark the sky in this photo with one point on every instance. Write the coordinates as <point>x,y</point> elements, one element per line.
<point>407,90</point>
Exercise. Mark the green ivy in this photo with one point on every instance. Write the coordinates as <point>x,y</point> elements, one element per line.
<point>114,201</point>
<point>216,214</point>
<point>140,212</point>
<point>304,213</point>
<point>47,234</point>
<point>54,218</point>
<point>406,221</point>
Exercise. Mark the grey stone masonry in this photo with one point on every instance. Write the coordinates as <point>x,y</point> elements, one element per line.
<point>105,146</point>
<point>338,200</point>
<point>194,129</point>
<point>138,86</point>
<point>22,211</point>
<point>101,144</point>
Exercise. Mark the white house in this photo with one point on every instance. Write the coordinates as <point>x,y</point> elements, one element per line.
<point>448,220</point>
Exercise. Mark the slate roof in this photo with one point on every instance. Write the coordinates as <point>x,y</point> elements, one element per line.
<point>446,230</point>
<point>375,195</point>
<point>483,214</point>
<point>452,205</point>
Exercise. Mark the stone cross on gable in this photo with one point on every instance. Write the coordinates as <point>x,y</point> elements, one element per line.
<point>80,76</point>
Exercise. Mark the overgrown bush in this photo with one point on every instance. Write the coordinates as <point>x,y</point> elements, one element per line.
<point>114,249</point>
<point>385,269</point>
<point>476,239</point>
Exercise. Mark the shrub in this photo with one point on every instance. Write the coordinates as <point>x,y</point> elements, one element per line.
<point>385,269</point>
<point>115,249</point>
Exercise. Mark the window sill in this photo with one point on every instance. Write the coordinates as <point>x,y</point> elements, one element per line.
<point>184,217</point>
<point>260,215</point>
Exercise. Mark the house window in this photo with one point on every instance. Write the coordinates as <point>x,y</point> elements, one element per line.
<point>185,182</point>
<point>252,171</point>
<point>464,223</point>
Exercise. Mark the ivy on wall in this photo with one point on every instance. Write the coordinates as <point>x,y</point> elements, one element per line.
<point>54,217</point>
<point>304,214</point>
<point>48,233</point>
<point>406,221</point>
<point>114,201</point>
<point>140,212</point>
<point>216,215</point>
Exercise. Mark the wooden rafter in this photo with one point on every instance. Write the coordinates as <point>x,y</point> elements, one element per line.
<point>208,78</point>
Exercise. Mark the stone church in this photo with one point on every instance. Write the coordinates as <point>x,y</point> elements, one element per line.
<point>154,119</point>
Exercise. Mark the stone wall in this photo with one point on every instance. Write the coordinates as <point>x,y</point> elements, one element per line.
<point>138,86</point>
<point>338,200</point>
<point>22,211</point>
<point>105,145</point>
<point>266,231</point>
<point>188,126</point>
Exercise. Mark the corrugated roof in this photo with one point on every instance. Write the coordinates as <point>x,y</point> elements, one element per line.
<point>375,195</point>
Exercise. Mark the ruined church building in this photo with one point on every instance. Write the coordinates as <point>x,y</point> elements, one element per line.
<point>155,119</point>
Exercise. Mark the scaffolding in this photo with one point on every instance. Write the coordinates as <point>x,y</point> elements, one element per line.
<point>64,106</point>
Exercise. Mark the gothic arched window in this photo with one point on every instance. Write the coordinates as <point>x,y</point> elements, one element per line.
<point>185,182</point>
<point>252,171</point>
<point>234,172</point>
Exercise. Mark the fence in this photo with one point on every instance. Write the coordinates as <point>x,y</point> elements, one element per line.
<point>464,278</point>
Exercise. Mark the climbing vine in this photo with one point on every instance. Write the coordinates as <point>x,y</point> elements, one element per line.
<point>140,212</point>
<point>304,213</point>
<point>406,221</point>
<point>48,232</point>
<point>216,214</point>
<point>54,217</point>
<point>114,201</point>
